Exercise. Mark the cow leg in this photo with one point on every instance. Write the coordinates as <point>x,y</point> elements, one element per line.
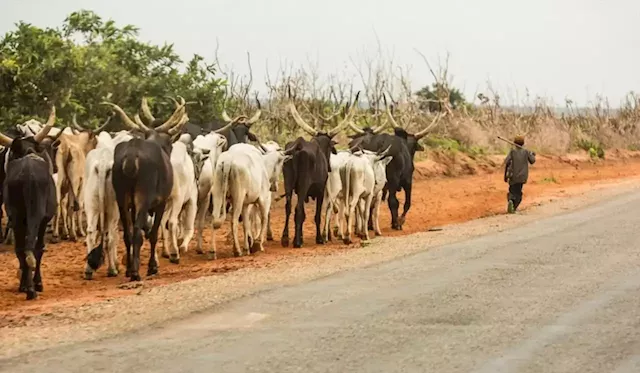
<point>166,237</point>
<point>189,215</point>
<point>393,207</point>
<point>125,220</point>
<point>264,205</point>
<point>299,217</point>
<point>327,208</point>
<point>337,227</point>
<point>407,204</point>
<point>366,211</point>
<point>287,213</point>
<point>376,213</point>
<point>235,220</point>
<point>247,222</point>
<point>318,220</point>
<point>39,251</point>
<point>269,232</point>
<point>111,244</point>
<point>199,221</point>
<point>19,233</point>
<point>56,225</point>
<point>172,235</point>
<point>152,268</point>
<point>95,253</point>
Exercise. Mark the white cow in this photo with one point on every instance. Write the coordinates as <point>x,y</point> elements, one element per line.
<point>359,183</point>
<point>248,177</point>
<point>333,194</point>
<point>212,144</point>
<point>101,206</point>
<point>184,195</point>
<point>380,172</point>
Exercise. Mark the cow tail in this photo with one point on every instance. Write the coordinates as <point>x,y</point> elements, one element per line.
<point>221,185</point>
<point>347,187</point>
<point>102,202</point>
<point>34,205</point>
<point>130,165</point>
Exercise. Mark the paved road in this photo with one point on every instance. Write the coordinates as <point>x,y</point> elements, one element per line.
<point>559,295</point>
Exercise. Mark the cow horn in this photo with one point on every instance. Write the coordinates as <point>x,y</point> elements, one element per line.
<point>146,111</point>
<point>125,119</point>
<point>435,121</point>
<point>103,126</point>
<point>74,122</point>
<point>172,121</point>
<point>5,140</point>
<point>45,130</point>
<point>255,117</point>
<point>356,129</point>
<point>227,126</point>
<point>384,152</point>
<point>391,118</point>
<point>225,116</point>
<point>347,119</point>
<point>380,128</point>
<point>179,126</point>
<point>299,121</point>
<point>140,123</point>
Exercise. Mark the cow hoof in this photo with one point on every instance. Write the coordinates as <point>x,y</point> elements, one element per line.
<point>135,277</point>
<point>370,227</point>
<point>320,240</point>
<point>285,241</point>
<point>22,289</point>
<point>174,259</point>
<point>112,273</point>
<point>152,271</point>
<point>212,255</point>
<point>401,221</point>
<point>165,255</point>
<point>55,239</point>
<point>378,233</point>
<point>38,287</point>
<point>32,294</point>
<point>335,231</point>
<point>269,237</point>
<point>256,248</point>
<point>128,273</point>
<point>199,251</point>
<point>88,275</point>
<point>297,245</point>
<point>237,254</point>
<point>346,241</point>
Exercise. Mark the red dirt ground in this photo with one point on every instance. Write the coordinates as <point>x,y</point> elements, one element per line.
<point>437,201</point>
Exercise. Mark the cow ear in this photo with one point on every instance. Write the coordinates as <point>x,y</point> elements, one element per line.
<point>419,147</point>
<point>251,136</point>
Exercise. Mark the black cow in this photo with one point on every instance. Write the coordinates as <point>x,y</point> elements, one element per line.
<point>30,199</point>
<point>400,170</point>
<point>307,171</point>
<point>142,181</point>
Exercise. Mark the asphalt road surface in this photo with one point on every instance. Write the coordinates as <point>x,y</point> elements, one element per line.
<point>557,295</point>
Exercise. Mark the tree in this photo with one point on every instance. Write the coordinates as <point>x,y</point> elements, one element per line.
<point>431,97</point>
<point>87,60</point>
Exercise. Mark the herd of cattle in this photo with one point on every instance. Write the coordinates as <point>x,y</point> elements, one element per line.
<point>159,178</point>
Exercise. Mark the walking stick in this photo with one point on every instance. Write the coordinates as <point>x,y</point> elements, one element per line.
<point>513,143</point>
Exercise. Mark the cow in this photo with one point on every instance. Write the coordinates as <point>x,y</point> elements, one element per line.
<point>30,200</point>
<point>248,176</point>
<point>359,187</point>
<point>213,144</point>
<point>399,172</point>
<point>142,179</point>
<point>307,172</point>
<point>100,204</point>
<point>70,164</point>
<point>333,193</point>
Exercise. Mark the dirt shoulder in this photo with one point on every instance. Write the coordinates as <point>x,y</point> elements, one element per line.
<point>80,311</point>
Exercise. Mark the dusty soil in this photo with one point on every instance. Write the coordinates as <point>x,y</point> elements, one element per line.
<point>437,201</point>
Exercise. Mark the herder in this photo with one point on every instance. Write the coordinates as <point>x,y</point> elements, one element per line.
<point>516,172</point>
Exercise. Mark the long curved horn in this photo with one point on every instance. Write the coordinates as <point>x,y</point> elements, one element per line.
<point>172,121</point>
<point>123,116</point>
<point>5,140</point>
<point>104,125</point>
<point>391,118</point>
<point>380,128</point>
<point>226,127</point>
<point>45,130</point>
<point>74,122</point>
<point>384,153</point>
<point>140,123</point>
<point>180,125</point>
<point>255,117</point>
<point>299,121</point>
<point>146,111</point>
<point>56,137</point>
<point>334,131</point>
<point>356,129</point>
<point>435,121</point>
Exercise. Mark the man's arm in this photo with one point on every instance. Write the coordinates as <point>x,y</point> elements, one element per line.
<point>532,157</point>
<point>507,165</point>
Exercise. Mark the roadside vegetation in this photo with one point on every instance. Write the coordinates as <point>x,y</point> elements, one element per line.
<point>88,60</point>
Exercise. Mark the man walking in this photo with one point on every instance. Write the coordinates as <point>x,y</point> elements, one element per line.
<point>516,172</point>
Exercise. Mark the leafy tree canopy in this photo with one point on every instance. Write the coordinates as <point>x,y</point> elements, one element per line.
<point>88,60</point>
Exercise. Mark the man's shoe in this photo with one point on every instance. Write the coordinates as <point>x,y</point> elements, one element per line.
<point>511,208</point>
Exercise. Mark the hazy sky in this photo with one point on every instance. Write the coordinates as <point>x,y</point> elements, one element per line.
<point>554,48</point>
